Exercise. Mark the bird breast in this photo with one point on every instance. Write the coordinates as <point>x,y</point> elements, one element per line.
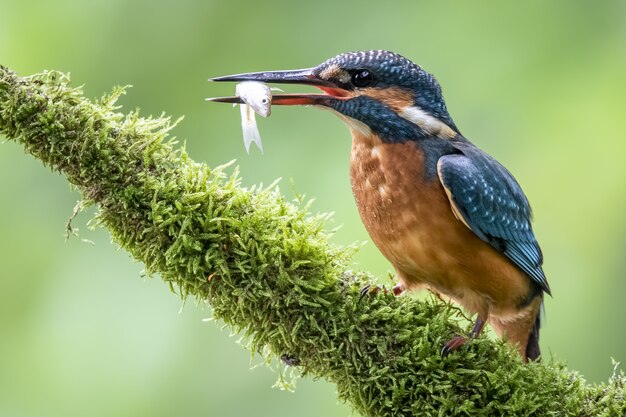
<point>399,206</point>
<point>408,216</point>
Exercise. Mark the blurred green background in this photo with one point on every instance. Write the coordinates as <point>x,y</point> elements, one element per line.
<point>539,85</point>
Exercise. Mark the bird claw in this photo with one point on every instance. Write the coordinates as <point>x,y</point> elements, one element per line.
<point>458,341</point>
<point>369,289</point>
<point>373,290</point>
<point>452,345</point>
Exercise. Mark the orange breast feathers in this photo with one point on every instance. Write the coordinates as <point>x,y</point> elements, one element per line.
<point>411,221</point>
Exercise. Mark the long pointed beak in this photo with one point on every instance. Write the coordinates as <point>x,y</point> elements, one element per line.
<point>282,99</point>
<point>302,76</point>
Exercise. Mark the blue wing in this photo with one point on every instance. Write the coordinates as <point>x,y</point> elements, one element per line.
<point>491,203</point>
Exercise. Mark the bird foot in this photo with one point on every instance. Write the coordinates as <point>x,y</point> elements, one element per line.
<point>458,341</point>
<point>375,289</point>
<point>371,289</point>
<point>452,345</point>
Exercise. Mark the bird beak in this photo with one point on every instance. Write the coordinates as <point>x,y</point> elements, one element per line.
<point>303,76</point>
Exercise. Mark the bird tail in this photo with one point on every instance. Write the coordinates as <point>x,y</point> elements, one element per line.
<point>532,346</point>
<point>522,331</point>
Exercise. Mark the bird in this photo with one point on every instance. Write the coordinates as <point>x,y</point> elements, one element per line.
<point>447,215</point>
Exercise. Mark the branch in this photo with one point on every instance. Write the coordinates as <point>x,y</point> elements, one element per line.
<point>268,269</point>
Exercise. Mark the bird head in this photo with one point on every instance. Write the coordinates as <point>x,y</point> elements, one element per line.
<point>374,92</point>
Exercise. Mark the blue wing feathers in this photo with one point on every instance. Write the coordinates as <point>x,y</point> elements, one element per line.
<point>494,207</point>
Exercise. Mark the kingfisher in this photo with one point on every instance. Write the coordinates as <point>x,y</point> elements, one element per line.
<point>448,216</point>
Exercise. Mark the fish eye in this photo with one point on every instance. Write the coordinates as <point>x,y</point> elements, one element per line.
<point>362,78</point>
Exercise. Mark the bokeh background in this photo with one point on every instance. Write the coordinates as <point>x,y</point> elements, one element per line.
<point>539,85</point>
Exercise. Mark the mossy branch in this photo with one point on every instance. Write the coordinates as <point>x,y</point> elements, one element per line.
<point>268,270</point>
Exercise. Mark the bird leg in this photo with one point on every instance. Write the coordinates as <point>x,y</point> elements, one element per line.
<point>458,341</point>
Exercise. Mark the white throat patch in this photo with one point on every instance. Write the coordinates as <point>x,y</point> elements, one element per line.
<point>356,125</point>
<point>353,124</point>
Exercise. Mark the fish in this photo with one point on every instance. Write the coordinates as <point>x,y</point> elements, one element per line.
<point>258,99</point>
<point>256,95</point>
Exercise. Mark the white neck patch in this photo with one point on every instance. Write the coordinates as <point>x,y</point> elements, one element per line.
<point>427,123</point>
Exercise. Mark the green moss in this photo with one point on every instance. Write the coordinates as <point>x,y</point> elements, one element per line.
<point>268,269</point>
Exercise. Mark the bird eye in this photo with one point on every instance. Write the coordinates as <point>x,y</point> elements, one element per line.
<point>362,78</point>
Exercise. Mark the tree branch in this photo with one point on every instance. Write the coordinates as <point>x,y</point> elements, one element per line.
<point>267,268</point>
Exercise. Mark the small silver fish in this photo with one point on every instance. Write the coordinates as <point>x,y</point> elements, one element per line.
<point>258,97</point>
